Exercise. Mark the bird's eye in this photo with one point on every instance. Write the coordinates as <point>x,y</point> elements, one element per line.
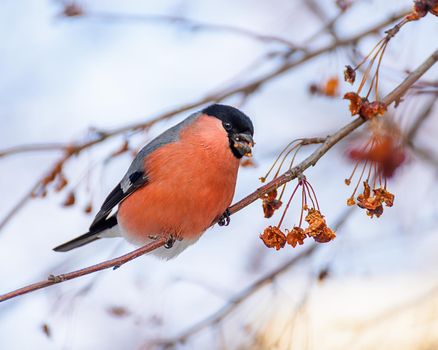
<point>227,126</point>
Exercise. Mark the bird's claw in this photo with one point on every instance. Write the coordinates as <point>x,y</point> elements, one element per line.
<point>169,243</point>
<point>224,220</point>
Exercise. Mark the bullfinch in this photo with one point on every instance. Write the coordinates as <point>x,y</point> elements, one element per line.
<point>178,185</point>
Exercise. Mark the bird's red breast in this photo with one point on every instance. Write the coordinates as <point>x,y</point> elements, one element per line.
<point>190,183</point>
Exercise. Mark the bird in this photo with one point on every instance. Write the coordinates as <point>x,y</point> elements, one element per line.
<point>178,185</point>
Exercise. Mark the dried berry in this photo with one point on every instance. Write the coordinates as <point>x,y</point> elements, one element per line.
<point>270,203</point>
<point>384,195</point>
<point>349,74</point>
<point>421,8</point>
<point>329,88</point>
<point>325,235</point>
<point>318,228</point>
<point>296,236</point>
<point>323,274</point>
<point>273,237</point>
<point>384,151</point>
<point>370,110</point>
<point>118,311</point>
<point>62,182</point>
<point>46,330</point>
<point>88,208</point>
<point>69,200</point>
<point>356,102</point>
<point>72,10</point>
<point>248,163</point>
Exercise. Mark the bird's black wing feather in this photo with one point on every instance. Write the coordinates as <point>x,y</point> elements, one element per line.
<point>125,188</point>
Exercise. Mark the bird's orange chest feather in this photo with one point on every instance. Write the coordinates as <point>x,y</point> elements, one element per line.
<point>191,182</point>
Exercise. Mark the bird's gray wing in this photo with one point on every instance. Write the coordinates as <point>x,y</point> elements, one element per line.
<point>136,176</point>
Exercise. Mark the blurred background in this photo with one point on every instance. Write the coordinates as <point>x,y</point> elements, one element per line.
<point>71,72</point>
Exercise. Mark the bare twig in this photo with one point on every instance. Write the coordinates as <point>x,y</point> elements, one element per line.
<point>316,9</point>
<point>289,175</point>
<point>114,263</point>
<point>234,302</point>
<point>191,24</point>
<point>425,114</point>
<point>421,152</point>
<point>33,148</point>
<point>18,205</point>
<point>425,154</point>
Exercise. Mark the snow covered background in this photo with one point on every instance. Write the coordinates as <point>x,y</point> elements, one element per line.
<point>60,76</point>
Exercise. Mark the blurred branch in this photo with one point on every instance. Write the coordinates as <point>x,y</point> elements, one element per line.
<point>33,148</point>
<point>235,301</point>
<point>425,114</point>
<point>426,155</point>
<point>18,205</point>
<point>190,24</point>
<point>289,175</point>
<point>421,152</point>
<point>319,12</point>
<point>248,88</point>
<point>240,297</point>
<point>114,263</point>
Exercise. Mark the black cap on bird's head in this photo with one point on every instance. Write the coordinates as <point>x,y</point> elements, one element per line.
<point>237,125</point>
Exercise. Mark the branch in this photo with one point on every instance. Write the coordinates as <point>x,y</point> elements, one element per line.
<point>18,205</point>
<point>114,263</point>
<point>425,114</point>
<point>426,155</point>
<point>289,175</point>
<point>191,24</point>
<point>421,152</point>
<point>33,148</point>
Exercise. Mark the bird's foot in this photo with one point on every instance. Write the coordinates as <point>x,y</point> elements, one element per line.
<point>169,243</point>
<point>224,220</point>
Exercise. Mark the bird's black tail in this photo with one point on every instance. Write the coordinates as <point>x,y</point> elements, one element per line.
<point>91,236</point>
<point>77,242</point>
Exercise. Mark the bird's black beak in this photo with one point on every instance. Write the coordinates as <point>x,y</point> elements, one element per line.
<point>243,144</point>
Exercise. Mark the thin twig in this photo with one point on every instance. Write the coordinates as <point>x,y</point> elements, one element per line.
<point>114,263</point>
<point>192,24</point>
<point>329,24</point>
<point>43,147</point>
<point>235,301</point>
<point>289,175</point>
<point>18,206</point>
<point>425,154</point>
<point>425,114</point>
